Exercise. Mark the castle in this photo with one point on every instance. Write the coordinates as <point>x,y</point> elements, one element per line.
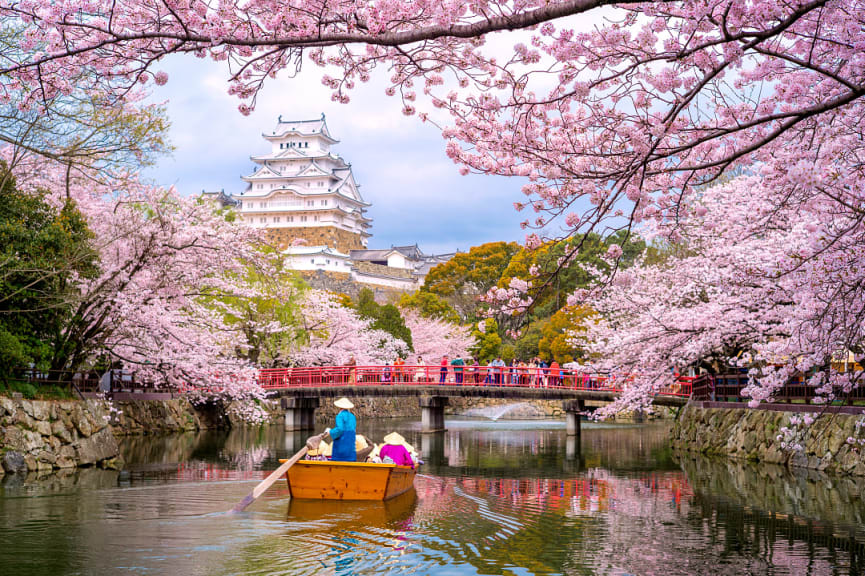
<point>307,201</point>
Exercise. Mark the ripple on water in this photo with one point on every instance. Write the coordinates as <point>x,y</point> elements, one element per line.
<point>510,504</point>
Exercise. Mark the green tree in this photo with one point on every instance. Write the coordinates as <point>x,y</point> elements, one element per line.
<point>41,248</point>
<point>526,346</point>
<point>554,343</point>
<point>276,301</point>
<point>554,281</point>
<point>468,275</point>
<point>489,341</point>
<point>384,317</point>
<point>429,305</point>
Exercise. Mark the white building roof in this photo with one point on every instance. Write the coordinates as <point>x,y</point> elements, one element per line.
<point>313,250</point>
<point>300,127</point>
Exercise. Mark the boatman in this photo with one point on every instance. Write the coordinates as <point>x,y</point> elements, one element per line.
<point>343,433</point>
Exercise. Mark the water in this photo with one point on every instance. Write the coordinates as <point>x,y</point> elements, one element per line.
<point>500,497</point>
<point>518,410</point>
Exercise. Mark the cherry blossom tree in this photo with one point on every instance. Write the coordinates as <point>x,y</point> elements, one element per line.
<point>435,337</point>
<point>619,124</point>
<point>764,273</point>
<point>656,97</point>
<point>336,333</point>
<point>172,280</point>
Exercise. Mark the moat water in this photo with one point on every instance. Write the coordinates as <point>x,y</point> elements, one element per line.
<point>499,497</point>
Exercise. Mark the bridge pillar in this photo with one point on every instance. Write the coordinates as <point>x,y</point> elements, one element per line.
<point>432,410</point>
<point>299,413</point>
<point>573,409</point>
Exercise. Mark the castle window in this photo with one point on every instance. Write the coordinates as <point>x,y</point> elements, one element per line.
<point>316,218</point>
<point>306,145</point>
<point>263,220</point>
<point>276,219</point>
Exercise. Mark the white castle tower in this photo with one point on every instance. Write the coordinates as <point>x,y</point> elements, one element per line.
<point>300,190</point>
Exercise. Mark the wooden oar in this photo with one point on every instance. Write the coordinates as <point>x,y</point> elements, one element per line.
<point>268,482</point>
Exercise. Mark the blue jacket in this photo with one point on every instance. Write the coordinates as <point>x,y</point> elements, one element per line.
<point>343,435</point>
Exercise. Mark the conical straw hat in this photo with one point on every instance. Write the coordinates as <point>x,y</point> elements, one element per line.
<point>344,403</point>
<point>394,438</point>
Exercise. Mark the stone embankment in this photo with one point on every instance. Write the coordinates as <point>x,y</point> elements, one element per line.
<point>46,435</point>
<point>751,435</point>
<point>158,417</point>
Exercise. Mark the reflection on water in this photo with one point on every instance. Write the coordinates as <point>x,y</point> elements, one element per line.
<point>493,498</point>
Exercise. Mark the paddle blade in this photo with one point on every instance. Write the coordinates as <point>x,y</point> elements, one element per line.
<point>269,481</point>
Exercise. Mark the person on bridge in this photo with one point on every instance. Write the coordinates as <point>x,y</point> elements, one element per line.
<point>458,364</point>
<point>352,369</point>
<point>344,433</point>
<point>443,372</point>
<point>420,374</point>
<point>398,369</point>
<point>498,369</point>
<point>554,373</point>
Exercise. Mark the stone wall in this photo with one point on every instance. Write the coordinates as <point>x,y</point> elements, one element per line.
<point>158,417</point>
<point>37,435</point>
<point>372,408</point>
<point>382,270</point>
<point>342,283</point>
<point>516,409</point>
<point>751,435</point>
<point>336,238</point>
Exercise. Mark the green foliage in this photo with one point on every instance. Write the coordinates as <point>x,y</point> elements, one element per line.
<point>526,347</point>
<point>553,285</point>
<point>468,275</point>
<point>277,301</point>
<point>41,248</point>
<point>489,342</point>
<point>429,305</point>
<point>30,391</point>
<point>554,344</point>
<point>384,317</point>
<point>12,353</point>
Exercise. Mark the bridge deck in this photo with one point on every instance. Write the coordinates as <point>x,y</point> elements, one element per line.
<point>450,390</point>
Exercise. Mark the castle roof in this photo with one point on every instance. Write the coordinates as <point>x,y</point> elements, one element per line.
<point>301,128</point>
<point>312,250</point>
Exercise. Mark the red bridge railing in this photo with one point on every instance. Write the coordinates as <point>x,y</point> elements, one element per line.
<point>504,377</point>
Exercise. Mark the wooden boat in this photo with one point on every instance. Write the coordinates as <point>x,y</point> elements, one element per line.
<point>325,480</point>
<point>340,513</point>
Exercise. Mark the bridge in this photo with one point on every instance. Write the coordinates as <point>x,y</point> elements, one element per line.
<point>301,389</point>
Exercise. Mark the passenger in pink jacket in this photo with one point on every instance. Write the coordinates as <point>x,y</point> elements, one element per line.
<point>395,451</point>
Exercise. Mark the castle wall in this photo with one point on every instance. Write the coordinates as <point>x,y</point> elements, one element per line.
<point>336,238</point>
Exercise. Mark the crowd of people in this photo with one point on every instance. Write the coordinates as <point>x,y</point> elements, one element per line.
<point>469,371</point>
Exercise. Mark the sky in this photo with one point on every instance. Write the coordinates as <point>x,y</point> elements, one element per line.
<point>416,191</point>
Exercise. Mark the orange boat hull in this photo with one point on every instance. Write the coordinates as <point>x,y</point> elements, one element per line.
<point>323,480</point>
